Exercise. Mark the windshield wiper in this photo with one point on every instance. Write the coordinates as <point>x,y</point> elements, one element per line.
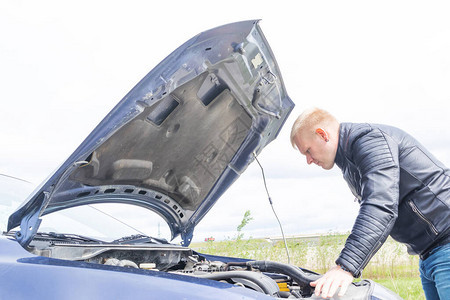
<point>139,238</point>
<point>63,237</point>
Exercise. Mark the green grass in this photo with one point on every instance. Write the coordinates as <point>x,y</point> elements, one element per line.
<point>409,288</point>
<point>391,266</point>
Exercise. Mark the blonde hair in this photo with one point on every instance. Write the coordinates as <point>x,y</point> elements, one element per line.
<point>309,118</point>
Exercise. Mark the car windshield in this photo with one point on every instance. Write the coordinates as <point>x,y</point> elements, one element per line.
<point>13,192</point>
<point>105,222</point>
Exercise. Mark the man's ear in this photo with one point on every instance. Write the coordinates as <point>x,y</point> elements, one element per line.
<point>323,134</point>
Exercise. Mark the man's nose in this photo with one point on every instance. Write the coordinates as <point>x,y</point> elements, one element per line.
<point>309,159</point>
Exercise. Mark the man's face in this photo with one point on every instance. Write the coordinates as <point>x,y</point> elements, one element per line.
<point>315,148</point>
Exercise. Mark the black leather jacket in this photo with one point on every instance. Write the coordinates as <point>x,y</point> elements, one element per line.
<point>402,189</point>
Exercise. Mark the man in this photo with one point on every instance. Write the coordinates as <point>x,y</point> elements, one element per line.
<point>402,189</point>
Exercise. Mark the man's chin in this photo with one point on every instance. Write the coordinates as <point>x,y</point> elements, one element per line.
<point>327,167</point>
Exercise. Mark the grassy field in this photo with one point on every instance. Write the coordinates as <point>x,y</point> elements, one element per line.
<point>391,266</point>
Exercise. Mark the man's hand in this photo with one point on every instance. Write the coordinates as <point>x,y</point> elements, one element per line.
<point>331,281</point>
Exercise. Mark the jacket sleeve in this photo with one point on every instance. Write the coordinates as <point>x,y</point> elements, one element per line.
<point>376,158</point>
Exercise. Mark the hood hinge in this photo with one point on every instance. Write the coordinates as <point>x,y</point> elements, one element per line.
<point>30,224</point>
<point>186,237</point>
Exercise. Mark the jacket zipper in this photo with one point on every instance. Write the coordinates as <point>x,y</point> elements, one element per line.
<point>369,257</point>
<point>419,213</point>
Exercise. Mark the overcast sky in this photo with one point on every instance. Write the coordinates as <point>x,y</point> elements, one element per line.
<point>65,64</point>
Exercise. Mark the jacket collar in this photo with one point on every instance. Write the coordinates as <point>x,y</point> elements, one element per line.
<point>344,129</point>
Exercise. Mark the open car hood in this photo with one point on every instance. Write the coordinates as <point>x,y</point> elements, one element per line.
<point>179,138</point>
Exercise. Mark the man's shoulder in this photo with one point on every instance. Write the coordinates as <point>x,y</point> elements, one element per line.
<point>371,145</point>
<point>349,132</point>
<point>354,131</point>
<point>363,136</point>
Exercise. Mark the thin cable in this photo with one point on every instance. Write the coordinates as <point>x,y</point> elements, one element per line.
<point>271,205</point>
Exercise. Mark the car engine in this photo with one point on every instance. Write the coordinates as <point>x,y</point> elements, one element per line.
<point>276,279</point>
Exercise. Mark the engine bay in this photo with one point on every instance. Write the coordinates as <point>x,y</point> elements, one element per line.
<point>275,279</point>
